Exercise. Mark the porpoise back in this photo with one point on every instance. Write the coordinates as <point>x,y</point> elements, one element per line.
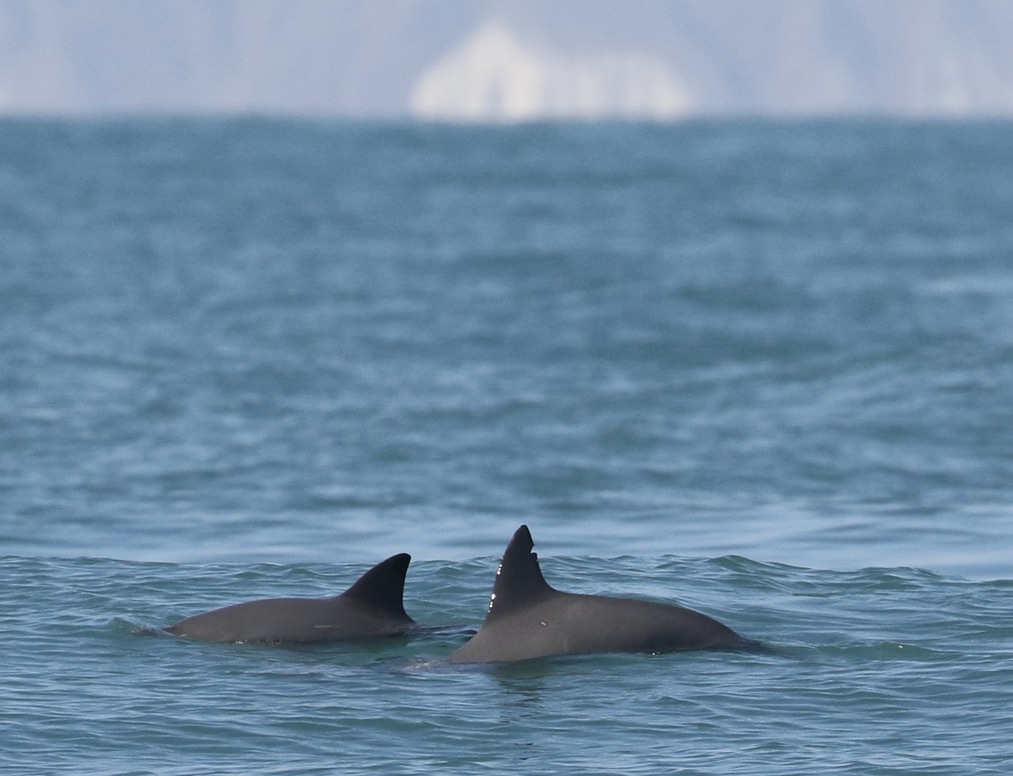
<point>373,607</point>
<point>528,618</point>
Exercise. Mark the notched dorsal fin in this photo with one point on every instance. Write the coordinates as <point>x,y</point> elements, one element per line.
<point>519,580</point>
<point>382,586</point>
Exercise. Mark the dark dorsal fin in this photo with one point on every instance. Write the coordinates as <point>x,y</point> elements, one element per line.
<point>382,586</point>
<point>519,581</point>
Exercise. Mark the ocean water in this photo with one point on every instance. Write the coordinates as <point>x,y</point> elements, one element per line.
<point>762,369</point>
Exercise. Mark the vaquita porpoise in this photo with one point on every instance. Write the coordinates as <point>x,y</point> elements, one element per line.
<point>373,607</point>
<point>528,619</point>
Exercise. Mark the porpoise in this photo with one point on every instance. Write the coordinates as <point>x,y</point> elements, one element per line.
<point>372,607</point>
<point>527,618</point>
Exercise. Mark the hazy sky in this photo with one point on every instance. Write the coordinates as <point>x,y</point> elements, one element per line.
<point>507,60</point>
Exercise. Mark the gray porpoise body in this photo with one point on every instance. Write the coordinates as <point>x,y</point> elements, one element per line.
<point>527,619</point>
<point>372,607</point>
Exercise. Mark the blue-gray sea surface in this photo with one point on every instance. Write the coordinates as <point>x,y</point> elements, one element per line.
<point>762,369</point>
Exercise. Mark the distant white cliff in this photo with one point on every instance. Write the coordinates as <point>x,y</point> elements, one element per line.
<point>492,76</point>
